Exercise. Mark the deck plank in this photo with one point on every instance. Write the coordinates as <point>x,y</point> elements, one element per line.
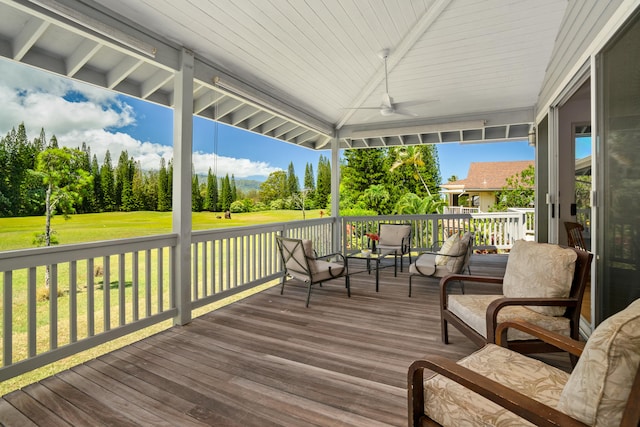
<point>265,361</point>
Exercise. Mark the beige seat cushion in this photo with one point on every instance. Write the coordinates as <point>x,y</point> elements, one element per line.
<point>426,265</point>
<point>472,310</point>
<point>539,270</point>
<point>451,404</point>
<point>599,386</point>
<point>327,270</point>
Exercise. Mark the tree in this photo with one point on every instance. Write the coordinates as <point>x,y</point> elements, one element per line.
<point>421,164</point>
<point>211,200</point>
<point>226,195</point>
<point>66,182</point>
<point>412,204</point>
<point>234,190</point>
<point>97,199</point>
<point>375,198</point>
<point>453,178</point>
<point>293,186</point>
<point>362,168</point>
<point>274,187</point>
<point>163,190</point>
<point>323,186</point>
<point>107,184</point>
<point>196,197</point>
<point>518,191</point>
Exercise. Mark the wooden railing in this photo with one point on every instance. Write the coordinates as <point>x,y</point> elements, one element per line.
<point>112,288</point>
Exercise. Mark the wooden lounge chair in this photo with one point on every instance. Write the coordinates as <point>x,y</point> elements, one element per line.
<point>543,284</point>
<point>497,386</point>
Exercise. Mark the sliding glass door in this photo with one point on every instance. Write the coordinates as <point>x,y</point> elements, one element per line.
<point>618,160</point>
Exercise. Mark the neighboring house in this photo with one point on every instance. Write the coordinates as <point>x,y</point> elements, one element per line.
<point>483,181</point>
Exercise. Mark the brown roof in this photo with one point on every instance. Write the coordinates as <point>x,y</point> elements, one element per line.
<point>490,175</point>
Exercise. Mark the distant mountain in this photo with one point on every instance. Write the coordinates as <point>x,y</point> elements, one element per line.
<point>243,185</point>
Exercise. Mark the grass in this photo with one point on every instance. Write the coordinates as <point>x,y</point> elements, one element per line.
<point>17,233</point>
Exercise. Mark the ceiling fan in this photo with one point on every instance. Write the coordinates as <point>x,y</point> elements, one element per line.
<point>387,107</point>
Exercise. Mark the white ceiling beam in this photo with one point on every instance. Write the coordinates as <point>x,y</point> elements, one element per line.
<point>205,101</point>
<point>29,35</point>
<point>272,124</point>
<point>227,107</point>
<point>120,72</point>
<point>243,114</point>
<point>287,127</point>
<point>83,53</point>
<point>155,82</point>
<point>259,119</point>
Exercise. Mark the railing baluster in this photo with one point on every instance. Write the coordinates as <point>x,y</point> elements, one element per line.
<point>53,307</point>
<point>106,292</point>
<point>147,283</point>
<point>194,272</point>
<point>90,298</point>
<point>135,291</point>
<point>121,290</point>
<point>7,320</point>
<point>73,301</point>
<point>160,289</point>
<point>32,307</point>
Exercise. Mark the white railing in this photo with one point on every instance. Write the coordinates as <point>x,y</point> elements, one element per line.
<point>460,210</point>
<point>119,285</point>
<point>491,230</point>
<point>225,261</point>
<point>112,288</point>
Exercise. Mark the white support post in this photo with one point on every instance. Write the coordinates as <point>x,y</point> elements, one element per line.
<point>182,149</point>
<point>335,192</point>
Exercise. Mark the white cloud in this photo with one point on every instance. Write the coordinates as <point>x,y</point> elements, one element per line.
<point>240,168</point>
<point>37,99</point>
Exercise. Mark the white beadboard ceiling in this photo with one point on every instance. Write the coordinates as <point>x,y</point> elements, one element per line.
<point>305,64</point>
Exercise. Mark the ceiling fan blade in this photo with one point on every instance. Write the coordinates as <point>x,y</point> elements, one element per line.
<point>403,112</point>
<point>406,104</point>
<point>362,108</point>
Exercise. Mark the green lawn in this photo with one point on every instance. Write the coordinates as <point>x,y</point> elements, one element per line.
<point>18,233</point>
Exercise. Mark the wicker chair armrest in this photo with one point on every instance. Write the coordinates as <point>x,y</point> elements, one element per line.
<point>521,405</point>
<point>561,342</point>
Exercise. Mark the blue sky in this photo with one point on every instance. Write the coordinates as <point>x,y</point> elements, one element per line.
<point>76,112</point>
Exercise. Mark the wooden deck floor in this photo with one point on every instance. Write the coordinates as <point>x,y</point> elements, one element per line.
<point>264,361</point>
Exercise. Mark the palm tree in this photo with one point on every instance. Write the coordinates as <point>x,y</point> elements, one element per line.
<point>411,204</point>
<point>412,157</point>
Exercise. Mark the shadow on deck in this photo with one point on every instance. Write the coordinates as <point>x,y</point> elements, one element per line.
<point>264,361</point>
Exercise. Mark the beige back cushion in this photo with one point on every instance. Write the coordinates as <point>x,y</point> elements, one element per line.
<point>599,385</point>
<point>450,246</point>
<point>456,264</point>
<point>539,270</point>
<point>393,234</point>
<point>297,261</point>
